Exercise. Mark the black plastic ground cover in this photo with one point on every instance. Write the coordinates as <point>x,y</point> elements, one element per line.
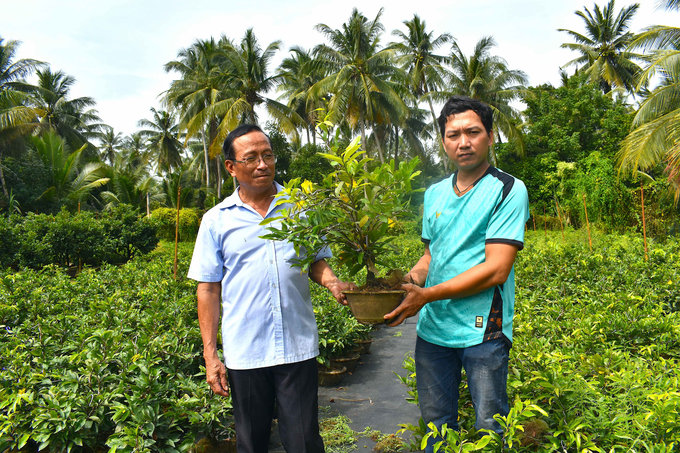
<point>373,396</point>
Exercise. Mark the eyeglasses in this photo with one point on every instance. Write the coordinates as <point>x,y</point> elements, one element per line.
<point>254,161</point>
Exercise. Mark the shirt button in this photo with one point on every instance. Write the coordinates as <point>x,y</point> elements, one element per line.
<point>274,285</point>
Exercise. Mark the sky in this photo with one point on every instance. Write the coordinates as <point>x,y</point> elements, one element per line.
<point>116,49</point>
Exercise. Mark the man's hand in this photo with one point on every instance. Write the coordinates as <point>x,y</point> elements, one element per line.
<point>216,375</point>
<point>415,300</point>
<point>321,273</point>
<point>337,287</point>
<point>208,296</point>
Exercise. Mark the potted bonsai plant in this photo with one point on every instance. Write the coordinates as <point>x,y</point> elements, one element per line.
<point>353,211</point>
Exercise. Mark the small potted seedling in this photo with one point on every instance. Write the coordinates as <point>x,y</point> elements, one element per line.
<point>353,210</point>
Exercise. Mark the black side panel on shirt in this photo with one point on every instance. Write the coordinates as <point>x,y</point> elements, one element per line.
<point>494,324</point>
<point>507,180</point>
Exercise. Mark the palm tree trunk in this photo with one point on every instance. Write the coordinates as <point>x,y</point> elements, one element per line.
<point>396,146</point>
<point>380,152</point>
<point>207,160</point>
<point>363,139</point>
<point>444,157</point>
<point>2,178</point>
<point>219,178</point>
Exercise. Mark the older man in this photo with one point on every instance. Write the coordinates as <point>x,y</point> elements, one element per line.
<point>268,329</point>
<point>473,227</point>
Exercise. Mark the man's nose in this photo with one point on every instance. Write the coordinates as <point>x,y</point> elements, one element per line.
<point>261,163</point>
<point>464,141</point>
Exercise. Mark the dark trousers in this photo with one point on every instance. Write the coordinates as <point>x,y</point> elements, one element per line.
<point>294,387</point>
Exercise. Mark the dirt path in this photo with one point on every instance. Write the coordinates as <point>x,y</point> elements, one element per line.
<point>373,396</point>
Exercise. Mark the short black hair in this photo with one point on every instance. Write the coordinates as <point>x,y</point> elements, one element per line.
<point>243,129</point>
<point>460,104</point>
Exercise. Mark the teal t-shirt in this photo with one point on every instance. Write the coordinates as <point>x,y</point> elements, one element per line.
<point>457,230</point>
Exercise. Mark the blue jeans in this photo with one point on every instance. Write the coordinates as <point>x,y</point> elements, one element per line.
<point>438,375</point>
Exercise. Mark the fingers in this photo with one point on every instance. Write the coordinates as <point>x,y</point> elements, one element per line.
<point>224,383</point>
<point>216,376</point>
<point>410,306</point>
<point>396,316</point>
<point>337,289</point>
<point>396,322</point>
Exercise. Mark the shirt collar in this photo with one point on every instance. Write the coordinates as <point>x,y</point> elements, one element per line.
<point>235,200</point>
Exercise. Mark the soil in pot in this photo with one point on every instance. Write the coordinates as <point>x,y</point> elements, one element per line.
<point>331,377</point>
<point>349,362</point>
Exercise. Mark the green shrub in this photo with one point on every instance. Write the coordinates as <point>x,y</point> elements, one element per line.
<point>127,234</point>
<point>9,245</point>
<point>34,251</point>
<point>109,360</point>
<point>76,239</point>
<point>167,219</point>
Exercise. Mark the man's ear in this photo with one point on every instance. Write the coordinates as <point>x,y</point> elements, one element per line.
<point>491,138</point>
<point>229,165</point>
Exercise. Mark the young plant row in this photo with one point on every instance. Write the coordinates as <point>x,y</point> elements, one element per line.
<point>109,360</point>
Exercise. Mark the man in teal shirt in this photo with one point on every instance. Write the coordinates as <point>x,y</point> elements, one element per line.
<point>463,285</point>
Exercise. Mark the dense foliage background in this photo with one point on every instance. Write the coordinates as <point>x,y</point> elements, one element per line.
<point>610,128</point>
<point>113,357</point>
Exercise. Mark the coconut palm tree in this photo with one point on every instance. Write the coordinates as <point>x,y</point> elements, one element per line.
<point>16,118</point>
<point>69,182</point>
<point>129,183</point>
<point>163,140</point>
<point>298,74</point>
<point>655,134</point>
<point>135,152</point>
<point>246,75</point>
<point>416,56</point>
<point>487,77</point>
<point>604,47</point>
<point>70,118</point>
<point>110,144</point>
<point>361,75</point>
<point>200,94</point>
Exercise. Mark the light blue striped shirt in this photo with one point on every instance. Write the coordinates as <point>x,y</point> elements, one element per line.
<point>267,315</point>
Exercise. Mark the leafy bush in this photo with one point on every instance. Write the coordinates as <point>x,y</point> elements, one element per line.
<point>8,242</point>
<point>75,239</point>
<point>167,219</point>
<point>111,359</point>
<point>127,234</point>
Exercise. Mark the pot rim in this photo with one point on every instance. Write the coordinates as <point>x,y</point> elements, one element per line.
<point>342,369</point>
<point>346,358</point>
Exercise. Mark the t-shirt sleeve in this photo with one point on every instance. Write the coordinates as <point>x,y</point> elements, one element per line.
<point>507,222</point>
<point>207,263</point>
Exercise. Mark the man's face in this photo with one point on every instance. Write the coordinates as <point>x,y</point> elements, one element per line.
<point>258,177</point>
<point>466,141</point>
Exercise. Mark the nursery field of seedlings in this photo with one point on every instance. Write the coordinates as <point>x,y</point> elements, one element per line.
<point>112,359</point>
